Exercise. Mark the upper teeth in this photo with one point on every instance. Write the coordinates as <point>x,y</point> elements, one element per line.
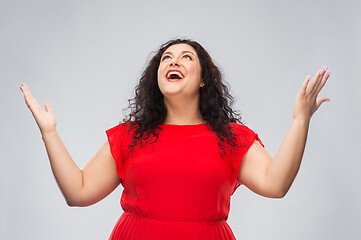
<point>175,72</point>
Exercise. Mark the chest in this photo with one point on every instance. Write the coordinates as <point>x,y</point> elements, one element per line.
<point>196,160</point>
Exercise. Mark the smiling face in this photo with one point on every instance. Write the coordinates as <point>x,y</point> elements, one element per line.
<point>179,71</point>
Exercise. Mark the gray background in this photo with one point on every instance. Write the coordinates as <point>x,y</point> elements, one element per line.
<point>85,57</point>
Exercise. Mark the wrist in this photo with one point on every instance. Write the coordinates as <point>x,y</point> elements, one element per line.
<point>302,121</point>
<point>48,133</point>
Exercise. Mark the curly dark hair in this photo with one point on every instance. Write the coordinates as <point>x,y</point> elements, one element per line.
<point>148,111</point>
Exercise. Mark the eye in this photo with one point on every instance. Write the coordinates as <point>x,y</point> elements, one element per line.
<point>187,56</point>
<point>165,57</point>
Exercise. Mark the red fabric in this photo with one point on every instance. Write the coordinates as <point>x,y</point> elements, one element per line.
<point>180,187</point>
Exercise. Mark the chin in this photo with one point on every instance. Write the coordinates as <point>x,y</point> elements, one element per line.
<point>171,88</point>
<point>172,92</point>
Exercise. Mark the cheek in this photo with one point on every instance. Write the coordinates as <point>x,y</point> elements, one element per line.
<point>196,71</point>
<point>159,76</point>
<point>160,70</point>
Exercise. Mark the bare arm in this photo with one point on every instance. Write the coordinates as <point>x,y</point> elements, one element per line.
<point>273,177</point>
<point>79,187</point>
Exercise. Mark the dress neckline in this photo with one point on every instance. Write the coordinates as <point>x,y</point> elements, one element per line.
<point>182,124</point>
<point>183,131</point>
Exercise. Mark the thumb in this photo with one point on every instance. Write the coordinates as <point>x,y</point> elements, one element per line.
<point>321,100</point>
<point>48,106</point>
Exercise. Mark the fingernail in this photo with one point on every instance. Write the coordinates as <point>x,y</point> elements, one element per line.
<point>327,100</point>
<point>321,71</point>
<point>329,73</point>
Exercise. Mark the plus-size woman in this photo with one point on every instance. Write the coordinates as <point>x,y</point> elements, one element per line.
<point>181,152</point>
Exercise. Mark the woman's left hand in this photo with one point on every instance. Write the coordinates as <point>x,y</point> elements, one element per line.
<point>307,103</point>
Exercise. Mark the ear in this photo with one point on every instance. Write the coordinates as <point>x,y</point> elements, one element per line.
<point>202,83</point>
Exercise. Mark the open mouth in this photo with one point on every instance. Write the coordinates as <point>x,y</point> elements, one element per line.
<point>174,75</point>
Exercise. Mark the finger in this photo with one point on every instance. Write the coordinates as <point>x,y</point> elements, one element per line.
<point>320,101</point>
<point>324,80</point>
<point>311,85</point>
<point>320,79</point>
<point>48,107</point>
<point>305,83</point>
<point>24,88</point>
<point>317,81</point>
<point>27,94</point>
<point>32,104</point>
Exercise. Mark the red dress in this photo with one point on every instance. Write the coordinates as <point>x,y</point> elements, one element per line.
<point>180,187</point>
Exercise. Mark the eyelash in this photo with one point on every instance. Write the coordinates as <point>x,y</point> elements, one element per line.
<point>183,56</point>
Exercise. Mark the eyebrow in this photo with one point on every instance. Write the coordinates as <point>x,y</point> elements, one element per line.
<point>182,53</point>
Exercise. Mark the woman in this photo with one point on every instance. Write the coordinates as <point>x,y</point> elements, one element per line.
<point>181,152</point>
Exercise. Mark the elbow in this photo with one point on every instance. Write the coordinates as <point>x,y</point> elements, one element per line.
<point>77,199</point>
<point>280,193</point>
<point>72,203</point>
<point>75,203</point>
<point>79,202</point>
<point>275,192</point>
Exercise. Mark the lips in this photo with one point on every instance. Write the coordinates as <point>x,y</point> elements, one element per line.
<point>174,75</point>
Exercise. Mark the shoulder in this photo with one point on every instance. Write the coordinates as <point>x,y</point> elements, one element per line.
<point>123,126</point>
<point>120,130</point>
<point>239,128</point>
<point>244,135</point>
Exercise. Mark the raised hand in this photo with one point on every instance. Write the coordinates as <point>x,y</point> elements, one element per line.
<point>307,103</point>
<point>44,118</point>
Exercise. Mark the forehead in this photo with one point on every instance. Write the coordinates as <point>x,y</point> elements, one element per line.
<point>178,48</point>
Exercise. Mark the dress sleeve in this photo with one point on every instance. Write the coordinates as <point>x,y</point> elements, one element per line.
<point>115,138</point>
<point>245,138</point>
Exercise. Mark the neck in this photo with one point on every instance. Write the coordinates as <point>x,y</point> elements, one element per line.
<point>183,111</point>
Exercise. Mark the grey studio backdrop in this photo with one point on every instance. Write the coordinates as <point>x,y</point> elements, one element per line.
<point>86,57</point>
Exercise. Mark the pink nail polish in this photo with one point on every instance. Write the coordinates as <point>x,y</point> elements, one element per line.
<point>327,100</point>
<point>329,73</point>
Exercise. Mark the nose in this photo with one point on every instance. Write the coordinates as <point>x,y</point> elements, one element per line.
<point>174,62</point>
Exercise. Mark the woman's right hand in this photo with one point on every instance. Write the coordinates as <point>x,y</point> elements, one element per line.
<point>44,118</point>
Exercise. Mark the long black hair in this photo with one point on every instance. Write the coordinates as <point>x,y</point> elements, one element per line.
<point>147,108</point>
